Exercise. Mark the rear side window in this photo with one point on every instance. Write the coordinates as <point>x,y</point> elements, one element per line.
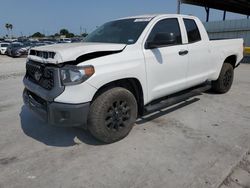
<point>170,25</point>
<point>192,31</point>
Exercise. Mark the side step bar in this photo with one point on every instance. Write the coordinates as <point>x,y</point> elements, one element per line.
<point>177,98</point>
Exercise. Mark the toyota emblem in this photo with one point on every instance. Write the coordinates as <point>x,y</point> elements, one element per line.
<point>38,75</point>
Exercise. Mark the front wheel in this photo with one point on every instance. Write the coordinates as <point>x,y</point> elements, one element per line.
<point>225,80</point>
<point>112,115</point>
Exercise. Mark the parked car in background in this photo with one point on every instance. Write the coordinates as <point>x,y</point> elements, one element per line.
<point>76,40</point>
<point>34,44</point>
<point>11,40</point>
<point>39,44</point>
<point>48,42</point>
<point>65,40</point>
<point>18,49</point>
<point>3,48</point>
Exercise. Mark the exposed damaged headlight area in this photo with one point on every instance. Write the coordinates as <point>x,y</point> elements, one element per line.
<point>42,54</point>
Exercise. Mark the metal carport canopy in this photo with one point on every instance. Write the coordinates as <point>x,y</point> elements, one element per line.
<point>236,6</point>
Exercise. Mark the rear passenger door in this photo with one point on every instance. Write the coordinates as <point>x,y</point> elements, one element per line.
<point>200,66</point>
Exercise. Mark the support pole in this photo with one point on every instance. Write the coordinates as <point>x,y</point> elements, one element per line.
<point>178,6</point>
<point>224,15</point>
<point>208,13</point>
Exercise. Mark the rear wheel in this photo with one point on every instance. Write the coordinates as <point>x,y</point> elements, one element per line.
<point>225,80</point>
<point>112,115</point>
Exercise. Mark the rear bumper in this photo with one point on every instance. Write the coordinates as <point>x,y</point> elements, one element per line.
<point>59,114</point>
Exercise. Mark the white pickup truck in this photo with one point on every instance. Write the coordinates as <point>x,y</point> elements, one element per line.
<point>125,68</point>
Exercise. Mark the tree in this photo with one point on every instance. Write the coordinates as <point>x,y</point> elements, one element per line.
<point>57,35</point>
<point>38,35</point>
<point>84,35</point>
<point>7,26</point>
<point>70,35</point>
<point>11,28</point>
<point>64,32</point>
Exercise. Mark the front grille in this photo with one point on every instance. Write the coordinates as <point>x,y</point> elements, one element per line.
<point>40,74</point>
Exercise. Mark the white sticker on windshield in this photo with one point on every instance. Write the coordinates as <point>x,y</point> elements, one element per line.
<point>143,20</point>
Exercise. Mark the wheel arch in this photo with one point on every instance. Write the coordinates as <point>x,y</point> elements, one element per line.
<point>131,84</point>
<point>232,59</point>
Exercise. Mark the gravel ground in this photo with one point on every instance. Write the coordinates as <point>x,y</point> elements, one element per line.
<point>202,142</point>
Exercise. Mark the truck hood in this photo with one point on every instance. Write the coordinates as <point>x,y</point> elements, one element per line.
<point>73,52</point>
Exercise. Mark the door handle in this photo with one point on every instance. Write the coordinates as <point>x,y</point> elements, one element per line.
<point>183,52</point>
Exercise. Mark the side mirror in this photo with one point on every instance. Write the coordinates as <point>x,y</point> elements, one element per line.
<point>161,40</point>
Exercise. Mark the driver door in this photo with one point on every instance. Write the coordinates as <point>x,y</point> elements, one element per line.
<point>167,64</point>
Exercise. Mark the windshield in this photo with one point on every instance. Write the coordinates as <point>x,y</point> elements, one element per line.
<point>125,31</point>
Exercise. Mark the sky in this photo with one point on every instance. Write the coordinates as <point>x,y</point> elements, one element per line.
<point>49,16</point>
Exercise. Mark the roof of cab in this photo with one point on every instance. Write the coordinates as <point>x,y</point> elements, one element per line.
<point>156,15</point>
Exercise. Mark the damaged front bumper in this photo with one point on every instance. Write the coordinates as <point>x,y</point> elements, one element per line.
<point>59,114</point>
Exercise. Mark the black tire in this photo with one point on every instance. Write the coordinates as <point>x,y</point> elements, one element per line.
<point>112,115</point>
<point>225,80</point>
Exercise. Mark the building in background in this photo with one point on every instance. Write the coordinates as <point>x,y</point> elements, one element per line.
<point>236,6</point>
<point>229,29</point>
<point>225,28</point>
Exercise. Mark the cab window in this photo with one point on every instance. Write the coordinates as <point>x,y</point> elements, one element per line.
<point>193,32</point>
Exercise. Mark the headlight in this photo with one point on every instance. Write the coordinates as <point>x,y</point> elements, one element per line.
<point>72,75</point>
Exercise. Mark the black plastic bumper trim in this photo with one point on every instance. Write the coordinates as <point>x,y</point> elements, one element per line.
<point>59,114</point>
